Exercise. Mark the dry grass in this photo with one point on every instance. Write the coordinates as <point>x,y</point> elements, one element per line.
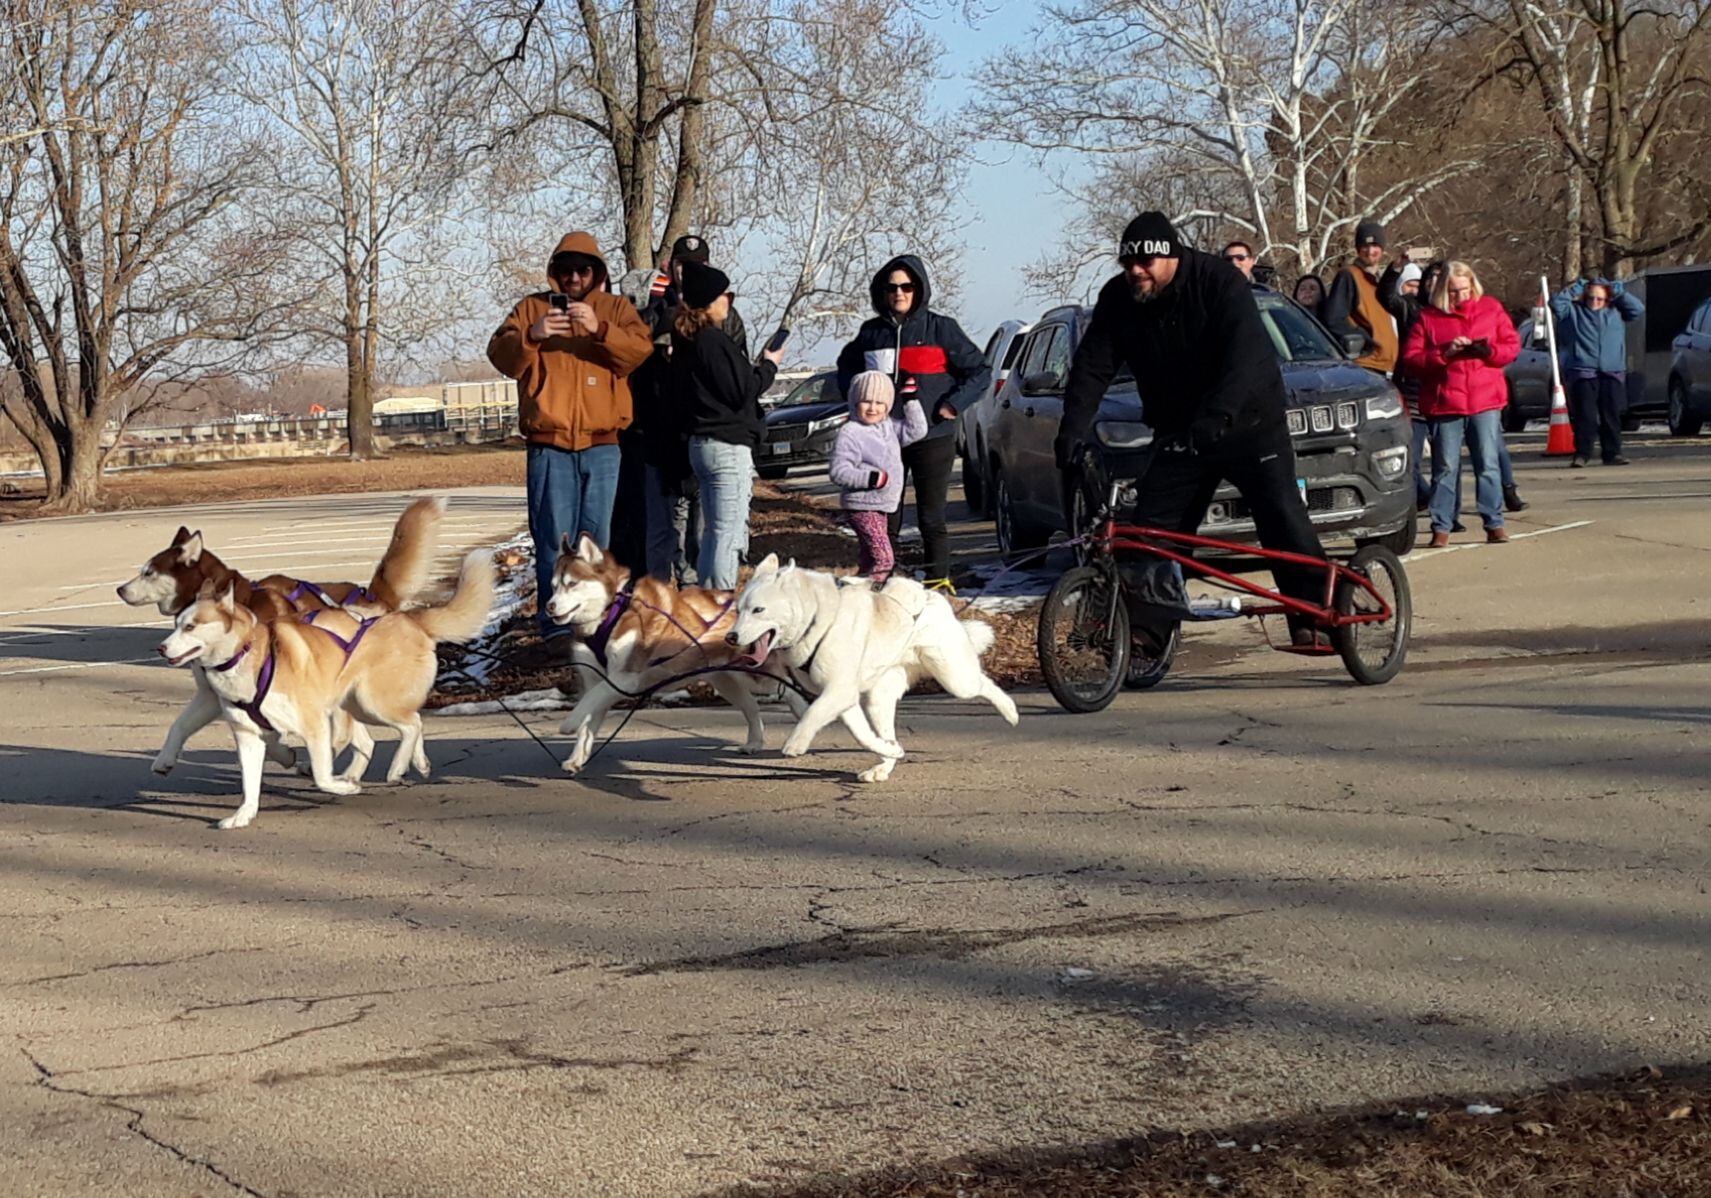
<point>1641,1135</point>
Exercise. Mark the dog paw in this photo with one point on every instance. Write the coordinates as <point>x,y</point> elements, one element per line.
<point>793,748</point>
<point>573,763</point>
<point>750,748</point>
<point>875,773</point>
<point>234,821</point>
<point>163,766</point>
<point>340,786</point>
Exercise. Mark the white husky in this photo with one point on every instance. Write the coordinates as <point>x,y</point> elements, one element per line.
<point>860,649</point>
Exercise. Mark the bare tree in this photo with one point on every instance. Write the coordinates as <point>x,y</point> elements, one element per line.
<point>1272,105</point>
<point>123,252</point>
<point>375,120</point>
<point>1618,81</point>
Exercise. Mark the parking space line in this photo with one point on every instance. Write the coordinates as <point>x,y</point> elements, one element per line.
<point>1517,536</point>
<point>78,665</point>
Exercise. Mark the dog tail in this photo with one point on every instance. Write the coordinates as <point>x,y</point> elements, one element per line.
<point>403,568</point>
<point>465,613</point>
<point>980,635</point>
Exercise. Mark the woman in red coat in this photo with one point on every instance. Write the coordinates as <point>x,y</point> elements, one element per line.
<point>1458,349</point>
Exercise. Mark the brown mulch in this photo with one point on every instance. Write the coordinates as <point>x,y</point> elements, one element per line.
<point>400,470</point>
<point>1639,1135</point>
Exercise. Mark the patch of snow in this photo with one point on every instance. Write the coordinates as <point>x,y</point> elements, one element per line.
<point>541,700</point>
<point>1223,1143</point>
<point>1480,1108</point>
<point>1076,974</point>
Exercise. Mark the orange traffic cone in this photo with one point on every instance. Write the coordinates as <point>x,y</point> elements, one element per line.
<point>1561,441</point>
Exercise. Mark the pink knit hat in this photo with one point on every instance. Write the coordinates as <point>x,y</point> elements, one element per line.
<point>872,384</point>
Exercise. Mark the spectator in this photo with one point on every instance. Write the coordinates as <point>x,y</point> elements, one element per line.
<point>1457,349</point>
<point>908,337</point>
<point>571,365</point>
<point>1594,348</point>
<point>1240,255</point>
<point>720,392</point>
<point>1353,305</point>
<point>867,465</point>
<point>1399,292</point>
<point>1310,293</point>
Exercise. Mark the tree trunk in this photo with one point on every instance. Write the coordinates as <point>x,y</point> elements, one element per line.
<point>1571,257</point>
<point>79,481</point>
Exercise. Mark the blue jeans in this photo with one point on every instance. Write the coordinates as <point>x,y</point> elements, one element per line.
<point>726,474</point>
<point>570,492</point>
<point>1422,489</point>
<point>674,540</point>
<point>1483,434</point>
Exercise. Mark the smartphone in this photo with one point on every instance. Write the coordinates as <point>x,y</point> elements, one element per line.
<point>778,340</point>
<point>559,300</point>
<point>1422,254</point>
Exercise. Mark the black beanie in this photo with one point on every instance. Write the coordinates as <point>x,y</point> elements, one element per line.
<point>689,248</point>
<point>702,284</point>
<point>1369,232</point>
<point>1150,235</point>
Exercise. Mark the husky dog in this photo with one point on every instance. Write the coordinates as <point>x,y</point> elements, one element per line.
<point>295,679</point>
<point>860,649</point>
<point>186,571</point>
<point>633,633</point>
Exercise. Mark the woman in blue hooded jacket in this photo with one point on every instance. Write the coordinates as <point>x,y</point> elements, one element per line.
<point>907,338</point>
<point>1593,342</point>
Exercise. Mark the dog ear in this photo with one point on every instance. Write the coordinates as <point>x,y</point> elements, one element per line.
<point>229,599</point>
<point>564,545</point>
<point>206,590</point>
<point>191,550</point>
<point>768,565</point>
<point>588,551</point>
<point>182,536</point>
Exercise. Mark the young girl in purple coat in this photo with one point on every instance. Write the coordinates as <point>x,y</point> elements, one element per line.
<point>867,464</point>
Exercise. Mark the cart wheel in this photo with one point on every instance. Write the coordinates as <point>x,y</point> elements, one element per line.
<point>1084,639</point>
<point>1146,672</point>
<point>1374,653</point>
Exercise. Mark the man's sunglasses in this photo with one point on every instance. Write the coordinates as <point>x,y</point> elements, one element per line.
<point>1236,257</point>
<point>905,288</point>
<point>1144,261</point>
<point>568,267</point>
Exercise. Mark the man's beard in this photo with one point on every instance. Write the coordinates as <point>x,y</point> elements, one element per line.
<point>1144,297</point>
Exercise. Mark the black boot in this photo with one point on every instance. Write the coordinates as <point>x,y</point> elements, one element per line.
<point>1512,501</point>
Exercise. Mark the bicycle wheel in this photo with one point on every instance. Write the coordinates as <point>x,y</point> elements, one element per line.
<point>1373,653</point>
<point>1083,639</point>
<point>1147,671</point>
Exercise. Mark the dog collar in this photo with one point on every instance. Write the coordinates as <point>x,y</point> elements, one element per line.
<point>620,603</point>
<point>222,668</point>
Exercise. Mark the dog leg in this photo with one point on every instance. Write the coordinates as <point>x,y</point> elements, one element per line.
<point>251,753</point>
<point>829,706</point>
<point>735,691</point>
<point>362,752</point>
<point>585,720</point>
<point>880,707</point>
<point>202,710</point>
<point>318,739</point>
<point>409,745</point>
<point>961,676</point>
<point>419,758</point>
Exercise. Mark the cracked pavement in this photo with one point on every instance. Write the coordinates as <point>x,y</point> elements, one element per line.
<point>1255,890</point>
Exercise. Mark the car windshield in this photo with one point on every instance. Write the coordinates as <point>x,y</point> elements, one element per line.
<point>822,388</point>
<point>1296,336</point>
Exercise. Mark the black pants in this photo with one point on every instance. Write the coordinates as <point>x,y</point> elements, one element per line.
<point>928,463</point>
<point>629,541</point>
<point>1177,488</point>
<point>1595,406</point>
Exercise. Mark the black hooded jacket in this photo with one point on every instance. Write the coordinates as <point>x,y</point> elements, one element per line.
<point>1197,349</point>
<point>946,365</point>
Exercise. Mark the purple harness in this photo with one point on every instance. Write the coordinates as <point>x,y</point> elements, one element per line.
<point>603,634</point>
<point>263,683</point>
<point>361,595</point>
<point>356,637</point>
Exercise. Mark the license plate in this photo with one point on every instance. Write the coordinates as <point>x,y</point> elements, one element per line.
<point>781,447</point>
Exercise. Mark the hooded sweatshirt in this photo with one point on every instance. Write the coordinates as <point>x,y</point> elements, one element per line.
<point>1591,340</point>
<point>572,391</point>
<point>946,365</point>
<point>867,459</point>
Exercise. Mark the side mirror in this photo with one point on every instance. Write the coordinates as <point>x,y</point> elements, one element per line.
<point>1354,344</point>
<point>1042,382</point>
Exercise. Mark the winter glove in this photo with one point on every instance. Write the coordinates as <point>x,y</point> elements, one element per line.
<point>1207,431</point>
<point>876,480</point>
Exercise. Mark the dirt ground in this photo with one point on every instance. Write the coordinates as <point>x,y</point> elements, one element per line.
<point>1643,1134</point>
<point>399,470</point>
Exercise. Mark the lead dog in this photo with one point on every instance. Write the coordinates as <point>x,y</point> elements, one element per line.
<point>187,570</point>
<point>296,680</point>
<point>634,633</point>
<point>860,650</point>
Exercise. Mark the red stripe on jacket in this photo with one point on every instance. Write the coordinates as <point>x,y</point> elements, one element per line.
<point>922,359</point>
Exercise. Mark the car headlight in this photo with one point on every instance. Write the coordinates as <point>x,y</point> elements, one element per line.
<point>1390,463</point>
<point>1380,407</point>
<point>820,426</point>
<point>1123,434</point>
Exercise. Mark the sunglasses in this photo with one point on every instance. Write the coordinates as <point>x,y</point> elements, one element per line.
<point>1235,257</point>
<point>904,288</point>
<point>1144,261</point>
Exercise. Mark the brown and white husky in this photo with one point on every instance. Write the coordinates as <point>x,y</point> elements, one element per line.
<point>298,680</point>
<point>187,570</point>
<point>633,633</point>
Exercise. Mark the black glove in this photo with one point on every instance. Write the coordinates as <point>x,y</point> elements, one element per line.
<point>1067,451</point>
<point>1207,431</point>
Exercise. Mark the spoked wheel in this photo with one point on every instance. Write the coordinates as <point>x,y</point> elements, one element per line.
<point>1373,653</point>
<point>1084,639</point>
<point>1147,670</point>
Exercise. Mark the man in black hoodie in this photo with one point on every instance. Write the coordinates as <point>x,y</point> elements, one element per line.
<point>908,339</point>
<point>1188,328</point>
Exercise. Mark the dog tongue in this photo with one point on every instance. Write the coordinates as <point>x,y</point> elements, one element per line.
<point>761,648</point>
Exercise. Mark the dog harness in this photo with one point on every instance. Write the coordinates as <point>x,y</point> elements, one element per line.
<point>263,684</point>
<point>356,637</point>
<point>360,595</point>
<point>619,605</point>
